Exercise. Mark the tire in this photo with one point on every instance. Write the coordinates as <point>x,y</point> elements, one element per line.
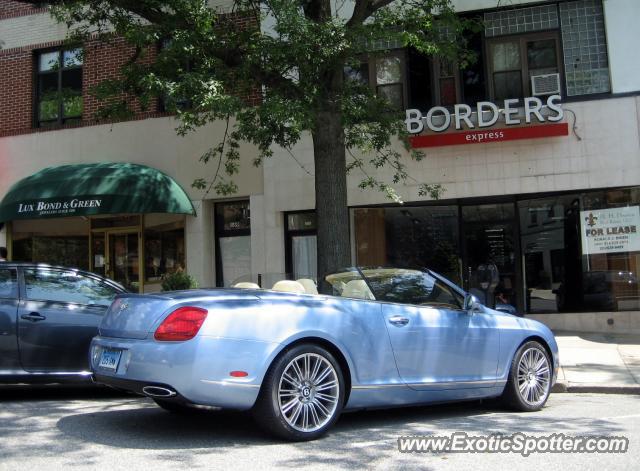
<point>174,407</point>
<point>302,394</point>
<point>529,382</point>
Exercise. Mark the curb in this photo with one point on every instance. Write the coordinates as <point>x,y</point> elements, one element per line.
<point>561,387</point>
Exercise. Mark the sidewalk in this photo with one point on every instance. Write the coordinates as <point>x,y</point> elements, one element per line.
<point>607,363</point>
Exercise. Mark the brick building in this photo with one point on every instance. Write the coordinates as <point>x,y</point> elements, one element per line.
<point>539,201</point>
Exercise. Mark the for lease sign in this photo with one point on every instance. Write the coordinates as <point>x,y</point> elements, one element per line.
<point>610,230</point>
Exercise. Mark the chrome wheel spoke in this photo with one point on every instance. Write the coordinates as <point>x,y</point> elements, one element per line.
<point>314,413</point>
<point>324,374</point>
<point>540,391</point>
<point>530,359</point>
<point>325,386</point>
<point>298,372</point>
<point>289,379</point>
<point>289,405</point>
<point>288,392</point>
<point>305,416</point>
<point>542,372</point>
<point>315,371</point>
<point>522,386</point>
<point>307,367</point>
<point>326,397</point>
<point>296,413</point>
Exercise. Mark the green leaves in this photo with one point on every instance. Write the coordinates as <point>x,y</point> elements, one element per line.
<point>287,55</point>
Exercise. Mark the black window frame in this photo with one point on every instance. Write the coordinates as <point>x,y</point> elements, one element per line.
<point>367,69</point>
<point>290,233</point>
<point>220,232</point>
<point>61,119</point>
<point>180,104</point>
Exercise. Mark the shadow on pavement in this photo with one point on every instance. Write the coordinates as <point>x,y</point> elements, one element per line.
<point>81,428</point>
<point>57,391</point>
<point>150,427</point>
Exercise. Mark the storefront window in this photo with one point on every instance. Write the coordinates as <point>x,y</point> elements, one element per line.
<point>551,251</point>
<point>164,250</point>
<point>582,251</point>
<point>62,242</point>
<point>489,253</point>
<point>409,237</point>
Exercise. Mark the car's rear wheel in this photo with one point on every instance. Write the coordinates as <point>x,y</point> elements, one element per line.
<point>302,394</point>
<point>530,376</point>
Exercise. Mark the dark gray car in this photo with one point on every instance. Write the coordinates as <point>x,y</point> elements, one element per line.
<point>48,316</point>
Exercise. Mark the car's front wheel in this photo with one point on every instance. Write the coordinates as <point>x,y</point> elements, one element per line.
<point>302,394</point>
<point>530,376</point>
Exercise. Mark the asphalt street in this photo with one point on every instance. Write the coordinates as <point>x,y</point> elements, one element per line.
<point>97,429</point>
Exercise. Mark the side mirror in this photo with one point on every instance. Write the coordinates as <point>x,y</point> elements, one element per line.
<point>471,303</point>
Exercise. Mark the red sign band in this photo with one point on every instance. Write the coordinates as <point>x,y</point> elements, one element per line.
<point>493,135</point>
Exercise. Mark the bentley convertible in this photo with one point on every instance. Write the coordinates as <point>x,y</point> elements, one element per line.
<point>386,337</point>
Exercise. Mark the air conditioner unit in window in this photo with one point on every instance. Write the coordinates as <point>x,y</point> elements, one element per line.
<point>547,84</point>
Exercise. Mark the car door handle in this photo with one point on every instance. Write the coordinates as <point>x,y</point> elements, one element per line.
<point>398,321</point>
<point>33,316</point>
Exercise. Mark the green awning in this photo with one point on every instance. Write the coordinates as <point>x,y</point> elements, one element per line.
<point>90,189</point>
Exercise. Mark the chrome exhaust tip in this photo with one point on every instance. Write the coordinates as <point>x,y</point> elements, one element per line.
<point>158,391</point>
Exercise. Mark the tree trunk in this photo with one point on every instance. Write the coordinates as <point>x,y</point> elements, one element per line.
<point>331,192</point>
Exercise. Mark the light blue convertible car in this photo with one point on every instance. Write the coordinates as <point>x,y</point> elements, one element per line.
<point>386,337</point>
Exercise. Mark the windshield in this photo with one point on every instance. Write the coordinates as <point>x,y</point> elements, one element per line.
<point>408,286</point>
<point>395,285</point>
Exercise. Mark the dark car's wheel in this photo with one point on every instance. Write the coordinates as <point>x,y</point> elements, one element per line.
<point>174,407</point>
<point>302,394</point>
<point>529,381</point>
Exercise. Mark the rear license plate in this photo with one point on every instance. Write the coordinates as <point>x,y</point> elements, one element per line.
<point>109,359</point>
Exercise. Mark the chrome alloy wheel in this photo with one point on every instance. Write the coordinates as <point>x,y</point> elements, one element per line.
<point>308,392</point>
<point>534,377</point>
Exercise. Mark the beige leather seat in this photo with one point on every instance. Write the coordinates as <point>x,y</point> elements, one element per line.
<point>309,285</point>
<point>289,286</point>
<point>357,289</point>
<point>246,285</point>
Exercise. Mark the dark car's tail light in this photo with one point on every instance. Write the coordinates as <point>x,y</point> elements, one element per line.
<point>182,324</point>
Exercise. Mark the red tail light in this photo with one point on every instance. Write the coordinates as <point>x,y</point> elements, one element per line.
<point>182,324</point>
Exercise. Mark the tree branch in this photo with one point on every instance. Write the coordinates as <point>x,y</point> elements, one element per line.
<point>364,9</point>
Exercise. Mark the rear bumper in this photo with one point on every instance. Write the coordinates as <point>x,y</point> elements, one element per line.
<point>137,387</point>
<point>197,370</point>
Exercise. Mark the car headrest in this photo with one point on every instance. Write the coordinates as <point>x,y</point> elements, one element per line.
<point>357,289</point>
<point>309,285</point>
<point>246,285</point>
<point>289,286</point>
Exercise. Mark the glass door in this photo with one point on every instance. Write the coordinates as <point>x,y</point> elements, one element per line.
<point>233,242</point>
<point>124,259</point>
<point>489,253</point>
<point>301,245</point>
<point>304,256</point>
<point>99,253</point>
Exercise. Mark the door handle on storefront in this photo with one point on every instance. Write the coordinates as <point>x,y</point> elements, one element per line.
<point>398,321</point>
<point>33,316</point>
